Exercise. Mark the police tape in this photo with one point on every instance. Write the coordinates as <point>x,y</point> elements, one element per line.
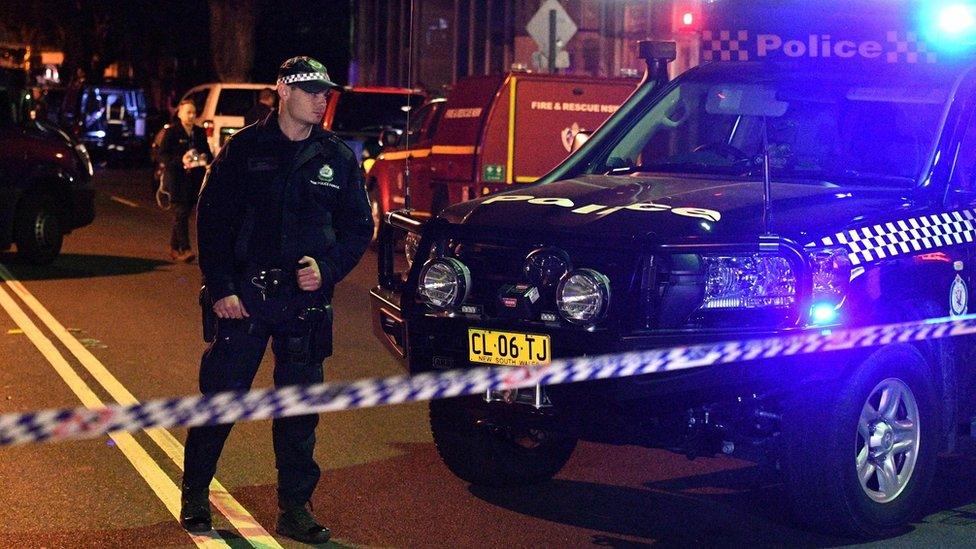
<point>79,423</point>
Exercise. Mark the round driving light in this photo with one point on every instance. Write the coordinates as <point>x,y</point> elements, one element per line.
<point>583,296</point>
<point>444,283</point>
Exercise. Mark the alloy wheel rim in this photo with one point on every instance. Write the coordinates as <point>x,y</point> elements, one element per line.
<point>887,441</point>
<point>43,229</point>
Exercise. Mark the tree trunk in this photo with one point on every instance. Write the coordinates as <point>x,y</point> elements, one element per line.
<point>232,38</point>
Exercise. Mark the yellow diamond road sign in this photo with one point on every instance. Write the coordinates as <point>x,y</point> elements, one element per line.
<point>538,26</point>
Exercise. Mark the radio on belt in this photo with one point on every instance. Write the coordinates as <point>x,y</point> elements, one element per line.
<point>814,172</point>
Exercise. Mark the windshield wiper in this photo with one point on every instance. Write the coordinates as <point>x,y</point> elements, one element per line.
<point>879,176</point>
<point>677,167</point>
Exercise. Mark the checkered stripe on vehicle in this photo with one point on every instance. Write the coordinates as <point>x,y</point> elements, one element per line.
<point>909,49</point>
<point>725,45</point>
<point>867,244</point>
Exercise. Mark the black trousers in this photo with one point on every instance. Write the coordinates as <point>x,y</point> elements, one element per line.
<point>180,238</point>
<point>230,363</point>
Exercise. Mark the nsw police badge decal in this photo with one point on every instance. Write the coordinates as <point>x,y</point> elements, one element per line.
<point>326,173</point>
<point>958,297</point>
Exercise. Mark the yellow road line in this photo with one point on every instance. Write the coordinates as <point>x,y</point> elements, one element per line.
<point>165,489</point>
<point>219,496</point>
<point>128,203</point>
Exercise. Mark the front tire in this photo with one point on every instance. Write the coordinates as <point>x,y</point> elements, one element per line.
<point>483,452</point>
<point>38,231</point>
<point>861,453</point>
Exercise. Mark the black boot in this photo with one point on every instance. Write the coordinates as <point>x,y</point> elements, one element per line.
<point>195,513</point>
<point>298,524</point>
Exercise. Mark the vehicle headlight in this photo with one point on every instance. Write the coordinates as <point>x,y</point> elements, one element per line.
<point>583,296</point>
<point>411,242</point>
<point>831,278</point>
<point>748,282</point>
<point>831,274</point>
<point>444,283</point>
<point>85,158</point>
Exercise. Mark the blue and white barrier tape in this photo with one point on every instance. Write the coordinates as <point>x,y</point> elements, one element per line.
<point>76,423</point>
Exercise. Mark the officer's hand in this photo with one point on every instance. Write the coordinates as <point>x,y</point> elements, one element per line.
<point>230,307</point>
<point>309,276</point>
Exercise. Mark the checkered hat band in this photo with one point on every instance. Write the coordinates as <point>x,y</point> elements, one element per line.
<point>303,77</point>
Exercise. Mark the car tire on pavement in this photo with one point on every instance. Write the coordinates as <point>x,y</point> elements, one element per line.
<point>493,454</point>
<point>37,230</point>
<point>860,453</point>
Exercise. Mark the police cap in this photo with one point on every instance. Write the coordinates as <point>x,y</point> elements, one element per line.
<point>306,73</point>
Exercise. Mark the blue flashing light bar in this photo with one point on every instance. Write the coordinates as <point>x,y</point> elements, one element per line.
<point>949,26</point>
<point>956,19</point>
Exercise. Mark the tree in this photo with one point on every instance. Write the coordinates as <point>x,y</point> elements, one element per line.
<point>232,38</point>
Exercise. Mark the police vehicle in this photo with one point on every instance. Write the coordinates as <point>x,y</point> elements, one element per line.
<point>817,170</point>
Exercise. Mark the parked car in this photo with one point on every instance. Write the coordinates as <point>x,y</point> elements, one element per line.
<point>108,117</point>
<point>221,108</point>
<point>359,114</point>
<point>45,177</point>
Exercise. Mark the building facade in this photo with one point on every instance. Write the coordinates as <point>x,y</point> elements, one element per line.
<point>450,39</point>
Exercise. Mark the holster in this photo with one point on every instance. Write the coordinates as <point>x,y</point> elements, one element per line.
<point>315,341</point>
<point>318,332</point>
<point>207,315</point>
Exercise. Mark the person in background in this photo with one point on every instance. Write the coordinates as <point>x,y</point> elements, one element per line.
<point>261,109</point>
<point>283,217</point>
<point>185,155</point>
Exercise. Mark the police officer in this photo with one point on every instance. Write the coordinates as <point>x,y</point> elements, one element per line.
<point>283,217</point>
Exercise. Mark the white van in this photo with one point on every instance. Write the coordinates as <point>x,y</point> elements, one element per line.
<point>221,108</point>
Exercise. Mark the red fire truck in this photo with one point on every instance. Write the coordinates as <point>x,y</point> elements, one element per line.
<point>490,133</point>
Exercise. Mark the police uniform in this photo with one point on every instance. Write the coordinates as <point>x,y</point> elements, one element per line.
<point>268,201</point>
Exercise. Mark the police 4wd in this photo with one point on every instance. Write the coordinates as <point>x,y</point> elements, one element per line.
<point>763,193</point>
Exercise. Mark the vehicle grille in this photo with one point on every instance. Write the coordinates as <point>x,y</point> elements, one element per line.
<point>496,265</point>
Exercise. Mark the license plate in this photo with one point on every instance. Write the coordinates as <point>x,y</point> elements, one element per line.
<point>507,348</point>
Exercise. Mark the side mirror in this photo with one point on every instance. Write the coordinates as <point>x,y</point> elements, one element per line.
<point>579,139</point>
<point>390,138</point>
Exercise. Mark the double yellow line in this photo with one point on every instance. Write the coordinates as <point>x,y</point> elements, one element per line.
<point>164,487</point>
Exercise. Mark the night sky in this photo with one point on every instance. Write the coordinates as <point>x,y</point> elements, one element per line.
<point>171,39</point>
<point>294,27</point>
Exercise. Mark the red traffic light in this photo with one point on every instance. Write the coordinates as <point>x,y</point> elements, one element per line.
<point>685,17</point>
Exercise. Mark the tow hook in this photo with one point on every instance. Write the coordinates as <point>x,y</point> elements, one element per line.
<point>705,437</point>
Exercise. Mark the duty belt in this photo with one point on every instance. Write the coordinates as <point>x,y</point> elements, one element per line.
<point>270,281</point>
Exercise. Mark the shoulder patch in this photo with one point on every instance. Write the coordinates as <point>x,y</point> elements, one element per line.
<point>343,147</point>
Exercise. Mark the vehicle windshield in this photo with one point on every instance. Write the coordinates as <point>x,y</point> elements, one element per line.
<point>373,111</point>
<point>837,128</point>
